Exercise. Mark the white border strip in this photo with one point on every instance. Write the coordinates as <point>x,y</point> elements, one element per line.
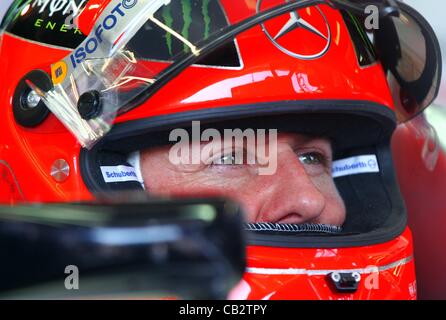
<point>292,271</point>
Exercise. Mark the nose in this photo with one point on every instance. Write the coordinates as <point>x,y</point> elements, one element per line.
<point>294,198</point>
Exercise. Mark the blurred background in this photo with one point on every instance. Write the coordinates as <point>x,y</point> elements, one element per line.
<point>424,191</point>
<point>431,10</point>
<point>427,219</point>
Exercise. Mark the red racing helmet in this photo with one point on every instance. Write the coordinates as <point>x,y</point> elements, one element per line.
<point>86,83</point>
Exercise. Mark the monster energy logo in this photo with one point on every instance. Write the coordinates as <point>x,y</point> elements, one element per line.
<point>190,9</point>
<point>45,21</point>
<point>53,6</point>
<point>66,7</point>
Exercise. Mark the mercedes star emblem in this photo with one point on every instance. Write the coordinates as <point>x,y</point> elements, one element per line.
<point>294,22</point>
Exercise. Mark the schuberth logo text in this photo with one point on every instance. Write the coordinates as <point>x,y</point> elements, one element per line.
<point>118,174</point>
<point>355,165</point>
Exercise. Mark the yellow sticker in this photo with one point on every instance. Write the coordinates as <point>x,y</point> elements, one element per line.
<point>59,72</point>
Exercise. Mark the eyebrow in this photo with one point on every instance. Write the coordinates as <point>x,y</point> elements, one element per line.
<point>323,142</point>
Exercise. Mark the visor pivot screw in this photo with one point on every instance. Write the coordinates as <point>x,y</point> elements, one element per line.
<point>89,105</point>
<point>28,109</point>
<point>356,276</point>
<point>336,277</point>
<point>60,170</point>
<point>32,99</point>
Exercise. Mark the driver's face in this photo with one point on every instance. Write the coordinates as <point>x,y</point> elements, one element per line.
<point>301,189</point>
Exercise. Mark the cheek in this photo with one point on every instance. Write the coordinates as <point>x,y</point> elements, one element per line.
<point>334,212</point>
<point>151,174</point>
<point>245,194</point>
<point>157,176</point>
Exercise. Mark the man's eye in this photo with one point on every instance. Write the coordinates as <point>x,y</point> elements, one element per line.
<point>227,159</point>
<point>312,158</point>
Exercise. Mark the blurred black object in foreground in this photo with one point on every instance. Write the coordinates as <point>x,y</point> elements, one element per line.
<point>153,248</point>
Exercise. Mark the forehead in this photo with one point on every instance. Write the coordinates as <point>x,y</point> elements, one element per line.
<point>237,137</point>
<point>301,137</point>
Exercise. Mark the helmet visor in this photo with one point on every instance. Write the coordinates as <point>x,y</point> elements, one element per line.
<point>410,54</point>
